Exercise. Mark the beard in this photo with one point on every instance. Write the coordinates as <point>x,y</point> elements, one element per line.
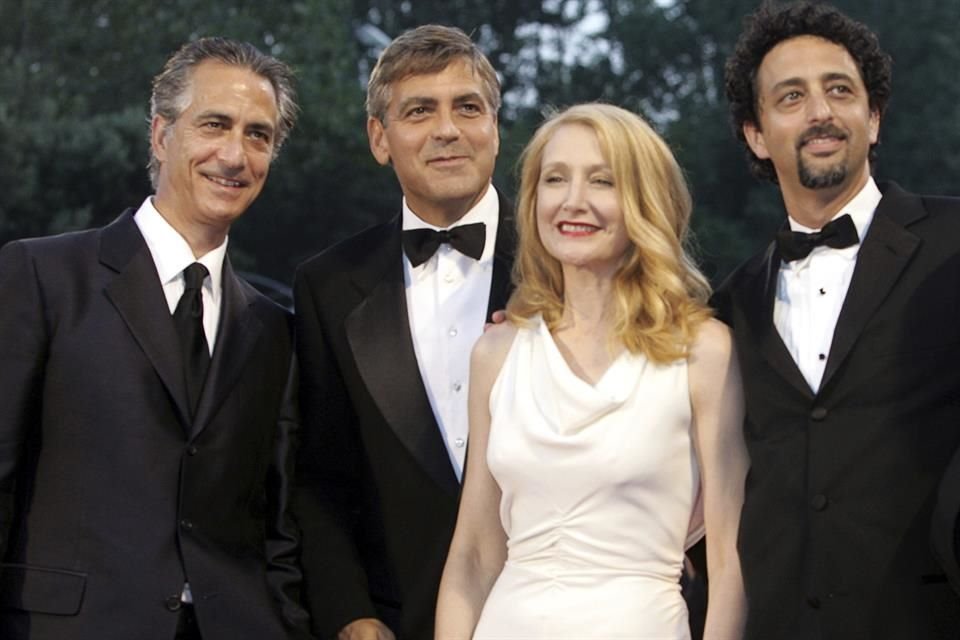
<point>824,177</point>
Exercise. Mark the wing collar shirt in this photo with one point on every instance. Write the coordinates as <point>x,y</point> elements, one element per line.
<point>447,299</point>
<point>171,255</point>
<point>811,291</point>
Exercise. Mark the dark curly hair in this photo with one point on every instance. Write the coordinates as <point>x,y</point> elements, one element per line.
<point>772,24</point>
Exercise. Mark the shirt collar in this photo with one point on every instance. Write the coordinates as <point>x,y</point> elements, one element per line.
<point>860,208</point>
<point>487,211</point>
<point>171,252</point>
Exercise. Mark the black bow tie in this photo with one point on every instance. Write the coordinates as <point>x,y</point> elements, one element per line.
<point>839,234</point>
<point>468,239</point>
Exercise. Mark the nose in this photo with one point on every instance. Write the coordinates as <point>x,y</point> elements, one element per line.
<point>575,198</point>
<point>818,107</point>
<point>231,152</point>
<point>446,128</point>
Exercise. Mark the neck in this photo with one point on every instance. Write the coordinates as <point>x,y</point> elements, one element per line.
<point>202,238</point>
<point>814,208</point>
<point>587,302</point>
<point>444,213</point>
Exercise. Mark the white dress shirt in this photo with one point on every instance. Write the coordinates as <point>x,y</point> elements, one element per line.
<point>811,291</point>
<point>171,254</point>
<point>447,299</point>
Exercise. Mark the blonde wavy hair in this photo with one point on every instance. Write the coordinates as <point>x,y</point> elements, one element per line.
<point>660,294</point>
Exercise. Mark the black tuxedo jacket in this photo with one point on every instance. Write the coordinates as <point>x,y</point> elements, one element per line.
<point>945,532</point>
<point>110,496</point>
<point>376,493</point>
<point>835,531</point>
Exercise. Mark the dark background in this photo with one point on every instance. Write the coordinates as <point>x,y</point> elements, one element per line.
<point>75,82</point>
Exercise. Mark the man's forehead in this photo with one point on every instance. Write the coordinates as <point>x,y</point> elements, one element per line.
<point>810,54</point>
<point>459,73</point>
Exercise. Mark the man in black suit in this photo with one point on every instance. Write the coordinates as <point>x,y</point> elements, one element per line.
<point>385,324</point>
<point>848,331</point>
<point>143,430</point>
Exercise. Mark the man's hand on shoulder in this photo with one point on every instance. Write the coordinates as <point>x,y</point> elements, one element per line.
<point>366,629</point>
<point>497,317</point>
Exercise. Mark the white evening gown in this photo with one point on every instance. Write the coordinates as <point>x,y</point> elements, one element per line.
<point>600,497</point>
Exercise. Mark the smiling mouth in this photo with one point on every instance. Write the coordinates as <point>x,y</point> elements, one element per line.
<point>579,229</point>
<point>447,160</point>
<point>826,136</point>
<point>225,182</point>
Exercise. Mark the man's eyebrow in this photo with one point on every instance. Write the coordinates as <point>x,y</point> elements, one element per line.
<point>468,97</point>
<point>420,101</point>
<point>212,114</point>
<point>788,83</point>
<point>836,75</point>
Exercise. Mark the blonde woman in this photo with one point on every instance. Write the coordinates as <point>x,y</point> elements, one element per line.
<point>605,415</point>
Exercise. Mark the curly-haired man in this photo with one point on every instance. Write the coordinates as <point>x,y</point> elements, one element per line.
<point>848,329</point>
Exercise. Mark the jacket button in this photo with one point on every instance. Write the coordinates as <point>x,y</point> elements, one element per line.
<point>819,502</point>
<point>818,414</point>
<point>813,601</point>
<point>192,450</point>
<point>172,603</point>
<point>186,524</point>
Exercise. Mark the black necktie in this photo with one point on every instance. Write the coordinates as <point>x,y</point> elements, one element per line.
<point>188,319</point>
<point>839,234</point>
<point>468,239</point>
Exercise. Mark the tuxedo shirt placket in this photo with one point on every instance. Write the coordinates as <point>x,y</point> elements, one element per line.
<point>811,291</point>
<point>810,294</point>
<point>447,300</point>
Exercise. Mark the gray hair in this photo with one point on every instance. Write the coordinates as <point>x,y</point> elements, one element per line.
<point>171,86</point>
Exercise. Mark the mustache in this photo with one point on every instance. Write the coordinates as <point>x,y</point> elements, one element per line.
<point>821,131</point>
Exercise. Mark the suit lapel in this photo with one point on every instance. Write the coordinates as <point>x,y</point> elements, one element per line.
<point>500,285</point>
<point>240,328</point>
<point>757,300</point>
<point>378,332</point>
<point>883,255</point>
<point>138,296</point>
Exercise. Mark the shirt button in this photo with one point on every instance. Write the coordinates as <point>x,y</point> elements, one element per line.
<point>821,356</point>
<point>453,332</point>
<point>823,291</point>
<point>448,278</point>
<point>459,442</point>
<point>819,502</point>
<point>457,386</point>
<point>172,603</point>
<point>818,414</point>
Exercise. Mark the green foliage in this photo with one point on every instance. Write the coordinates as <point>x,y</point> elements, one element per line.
<point>75,81</point>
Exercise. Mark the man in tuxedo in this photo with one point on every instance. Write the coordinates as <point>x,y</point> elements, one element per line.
<point>144,424</point>
<point>385,324</point>
<point>848,332</point>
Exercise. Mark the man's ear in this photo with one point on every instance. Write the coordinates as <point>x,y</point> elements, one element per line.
<point>874,126</point>
<point>754,138</point>
<point>378,141</point>
<point>158,137</point>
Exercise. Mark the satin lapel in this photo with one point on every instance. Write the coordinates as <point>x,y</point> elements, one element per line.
<point>758,297</point>
<point>240,328</point>
<point>500,285</point>
<point>883,256</point>
<point>378,332</point>
<point>138,297</point>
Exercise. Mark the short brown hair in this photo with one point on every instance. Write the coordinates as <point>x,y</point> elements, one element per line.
<point>427,49</point>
